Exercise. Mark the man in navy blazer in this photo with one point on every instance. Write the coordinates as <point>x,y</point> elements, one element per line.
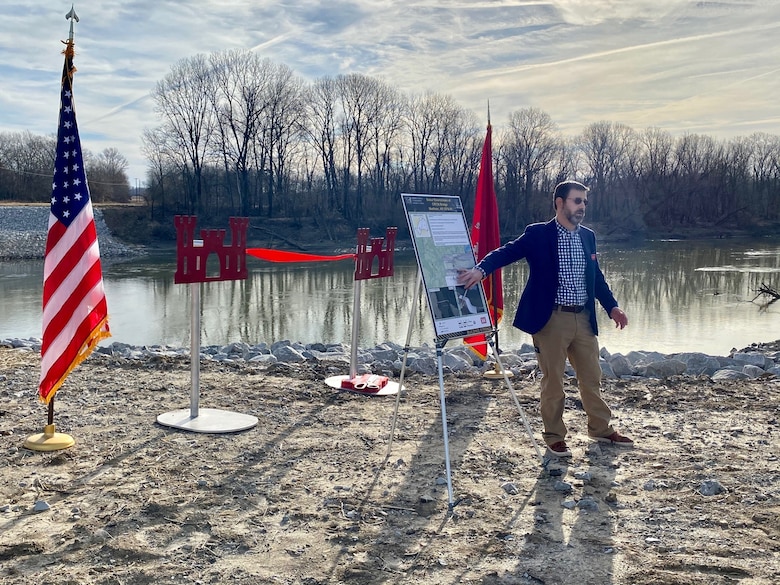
<point>558,309</point>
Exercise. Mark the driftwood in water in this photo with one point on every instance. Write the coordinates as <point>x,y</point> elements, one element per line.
<point>767,290</point>
<point>275,235</point>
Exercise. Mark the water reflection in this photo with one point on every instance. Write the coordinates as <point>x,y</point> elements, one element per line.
<point>680,296</point>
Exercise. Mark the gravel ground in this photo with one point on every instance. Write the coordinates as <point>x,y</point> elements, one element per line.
<point>23,234</point>
<point>316,494</point>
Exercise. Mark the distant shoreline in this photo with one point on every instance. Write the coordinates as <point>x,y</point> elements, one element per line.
<point>23,230</point>
<point>23,235</point>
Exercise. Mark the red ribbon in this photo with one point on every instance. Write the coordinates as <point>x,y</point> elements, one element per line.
<point>283,256</point>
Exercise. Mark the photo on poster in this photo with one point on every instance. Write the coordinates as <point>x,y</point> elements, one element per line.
<point>442,246</point>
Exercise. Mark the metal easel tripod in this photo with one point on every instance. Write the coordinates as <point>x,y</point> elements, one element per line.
<point>440,343</point>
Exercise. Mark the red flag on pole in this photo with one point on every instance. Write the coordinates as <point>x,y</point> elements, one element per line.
<point>484,238</point>
<point>75,315</point>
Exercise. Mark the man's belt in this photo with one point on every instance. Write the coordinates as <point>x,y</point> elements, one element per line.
<point>569,308</point>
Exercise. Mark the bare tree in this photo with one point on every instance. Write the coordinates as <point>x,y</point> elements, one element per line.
<point>154,147</point>
<point>358,94</point>
<point>530,145</point>
<point>427,133</point>
<point>736,181</point>
<point>765,165</point>
<point>107,175</point>
<point>655,184</point>
<point>238,128</point>
<point>321,108</point>
<point>462,141</point>
<point>283,124</point>
<point>421,121</point>
<point>182,101</point>
<point>696,161</point>
<point>385,124</point>
<point>26,166</point>
<point>610,150</point>
<point>240,79</point>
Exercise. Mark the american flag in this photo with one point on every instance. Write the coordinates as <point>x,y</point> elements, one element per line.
<point>75,315</point>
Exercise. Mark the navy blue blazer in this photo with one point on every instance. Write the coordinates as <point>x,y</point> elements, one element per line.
<point>539,246</point>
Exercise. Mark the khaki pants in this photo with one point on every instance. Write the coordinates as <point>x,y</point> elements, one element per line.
<point>569,335</point>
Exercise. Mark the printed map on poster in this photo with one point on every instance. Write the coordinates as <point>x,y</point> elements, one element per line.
<point>442,246</point>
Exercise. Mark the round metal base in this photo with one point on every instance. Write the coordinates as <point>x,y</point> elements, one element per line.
<point>497,374</point>
<point>387,390</point>
<point>209,420</point>
<point>49,440</point>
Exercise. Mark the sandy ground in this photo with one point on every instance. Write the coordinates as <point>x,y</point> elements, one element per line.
<point>309,496</point>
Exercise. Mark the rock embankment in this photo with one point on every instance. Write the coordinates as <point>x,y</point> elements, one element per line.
<point>23,234</point>
<point>757,361</point>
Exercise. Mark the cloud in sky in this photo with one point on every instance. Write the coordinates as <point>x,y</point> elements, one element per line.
<point>685,66</point>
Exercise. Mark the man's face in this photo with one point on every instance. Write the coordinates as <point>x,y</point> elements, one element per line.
<point>574,207</point>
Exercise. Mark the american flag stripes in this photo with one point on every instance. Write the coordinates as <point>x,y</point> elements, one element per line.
<point>75,315</point>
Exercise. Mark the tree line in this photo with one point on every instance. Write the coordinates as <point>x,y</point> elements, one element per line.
<point>27,167</point>
<point>238,134</point>
<point>242,134</point>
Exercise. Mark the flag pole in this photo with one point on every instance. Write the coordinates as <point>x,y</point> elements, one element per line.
<point>497,372</point>
<point>50,439</point>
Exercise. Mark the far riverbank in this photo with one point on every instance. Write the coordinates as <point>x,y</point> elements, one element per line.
<point>125,231</point>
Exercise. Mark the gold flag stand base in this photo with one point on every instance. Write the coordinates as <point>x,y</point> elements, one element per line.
<point>49,440</point>
<point>497,373</point>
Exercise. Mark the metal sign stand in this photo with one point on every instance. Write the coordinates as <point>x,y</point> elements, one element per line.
<point>364,260</point>
<point>191,257</point>
<point>440,343</point>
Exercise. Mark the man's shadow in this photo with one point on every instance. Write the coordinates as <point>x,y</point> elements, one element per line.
<point>574,518</point>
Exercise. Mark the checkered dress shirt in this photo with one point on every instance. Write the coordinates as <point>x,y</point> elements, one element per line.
<point>571,273</point>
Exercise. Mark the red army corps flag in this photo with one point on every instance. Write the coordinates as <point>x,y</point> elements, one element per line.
<point>484,238</point>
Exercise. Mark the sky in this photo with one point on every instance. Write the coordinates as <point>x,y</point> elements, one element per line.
<point>684,66</point>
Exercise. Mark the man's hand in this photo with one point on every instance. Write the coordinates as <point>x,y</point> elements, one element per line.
<point>619,317</point>
<point>469,278</point>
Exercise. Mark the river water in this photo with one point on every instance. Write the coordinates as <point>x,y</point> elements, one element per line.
<point>679,296</point>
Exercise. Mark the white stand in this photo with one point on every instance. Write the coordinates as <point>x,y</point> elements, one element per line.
<point>335,381</point>
<point>205,420</point>
<point>439,362</point>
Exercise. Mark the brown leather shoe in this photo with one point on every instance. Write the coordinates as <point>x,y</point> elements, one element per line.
<point>558,449</point>
<point>617,440</point>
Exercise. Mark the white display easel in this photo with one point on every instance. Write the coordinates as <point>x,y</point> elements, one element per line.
<point>440,343</point>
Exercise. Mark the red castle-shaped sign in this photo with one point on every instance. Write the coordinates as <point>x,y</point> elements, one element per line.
<point>366,254</point>
<point>192,256</point>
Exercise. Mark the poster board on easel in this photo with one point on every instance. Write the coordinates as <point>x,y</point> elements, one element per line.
<point>439,233</point>
<point>440,236</point>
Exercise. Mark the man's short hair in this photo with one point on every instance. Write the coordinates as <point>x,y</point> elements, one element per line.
<point>563,188</point>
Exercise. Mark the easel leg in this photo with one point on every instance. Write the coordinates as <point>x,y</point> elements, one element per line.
<point>415,301</point>
<point>439,360</point>
<point>516,401</point>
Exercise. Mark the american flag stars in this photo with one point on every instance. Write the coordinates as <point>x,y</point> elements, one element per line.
<point>67,198</point>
